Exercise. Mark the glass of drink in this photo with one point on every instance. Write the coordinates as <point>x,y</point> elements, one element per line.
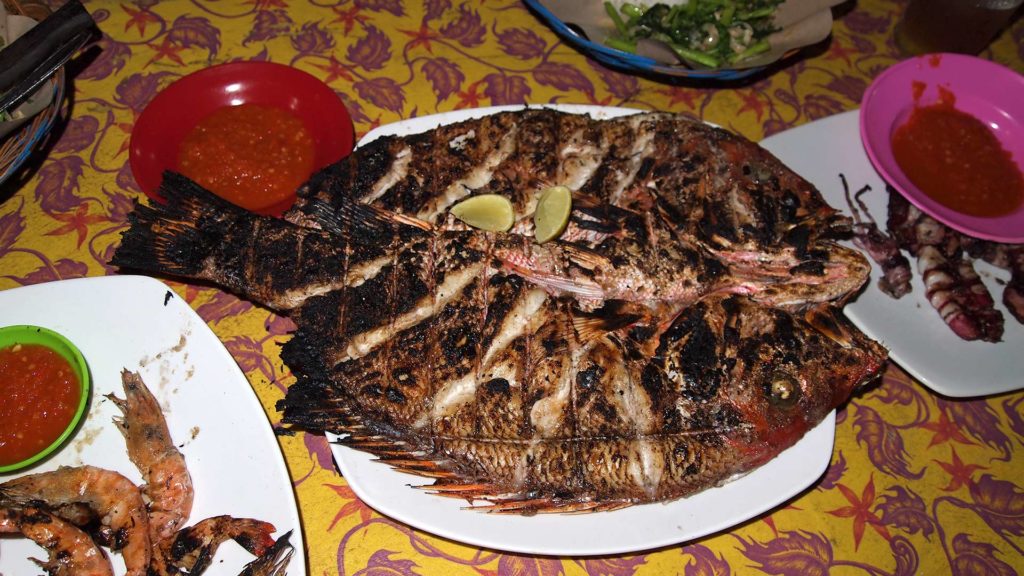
<point>964,26</point>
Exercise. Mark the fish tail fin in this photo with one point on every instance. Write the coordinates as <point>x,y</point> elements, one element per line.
<point>175,236</point>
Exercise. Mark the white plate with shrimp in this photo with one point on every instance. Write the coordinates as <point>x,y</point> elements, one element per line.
<point>138,323</point>
<point>910,328</point>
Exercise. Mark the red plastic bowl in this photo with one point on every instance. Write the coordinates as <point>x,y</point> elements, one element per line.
<point>166,121</point>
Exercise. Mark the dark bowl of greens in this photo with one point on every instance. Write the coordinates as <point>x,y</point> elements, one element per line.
<point>714,39</point>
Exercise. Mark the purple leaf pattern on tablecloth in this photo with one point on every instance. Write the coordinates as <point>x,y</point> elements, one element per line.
<point>118,205</point>
<point>111,59</point>
<point>979,420</point>
<point>834,472</point>
<point>137,90</point>
<point>279,325</point>
<point>382,92</point>
<point>502,89</point>
<point>516,565</point>
<point>445,77</point>
<point>11,226</point>
<point>817,106</point>
<point>562,77</point>
<point>622,86</point>
<point>195,31</point>
<point>904,509</point>
<point>392,6</point>
<point>798,552</point>
<point>269,24</point>
<point>312,39</point>
<point>1000,503</point>
<point>248,353</point>
<point>623,566</point>
<point>385,563</point>
<point>977,559</point>
<point>433,9</point>
<point>78,135</point>
<point>704,562</point>
<point>522,43</point>
<point>371,51</point>
<point>850,87</point>
<point>222,305</point>
<point>63,269</point>
<point>319,449</point>
<point>1014,408</point>
<point>883,442</point>
<point>467,29</point>
<point>125,179</point>
<point>907,559</point>
<point>58,184</point>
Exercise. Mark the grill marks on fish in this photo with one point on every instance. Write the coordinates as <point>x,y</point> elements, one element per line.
<point>635,363</point>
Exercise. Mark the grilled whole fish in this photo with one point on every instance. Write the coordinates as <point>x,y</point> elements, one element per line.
<point>685,329</point>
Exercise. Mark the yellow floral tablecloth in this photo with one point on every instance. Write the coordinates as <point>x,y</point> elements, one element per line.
<point>918,484</point>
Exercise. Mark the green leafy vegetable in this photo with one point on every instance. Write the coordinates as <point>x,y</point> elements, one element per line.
<point>711,33</point>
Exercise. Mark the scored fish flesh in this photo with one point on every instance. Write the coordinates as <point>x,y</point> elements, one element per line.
<point>685,328</point>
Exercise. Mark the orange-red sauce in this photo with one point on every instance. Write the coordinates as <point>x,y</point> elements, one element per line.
<point>957,161</point>
<point>254,156</point>
<point>39,394</point>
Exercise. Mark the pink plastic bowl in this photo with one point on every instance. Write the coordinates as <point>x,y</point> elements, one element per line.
<point>987,91</point>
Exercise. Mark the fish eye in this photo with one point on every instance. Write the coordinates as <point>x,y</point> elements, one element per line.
<point>783,391</point>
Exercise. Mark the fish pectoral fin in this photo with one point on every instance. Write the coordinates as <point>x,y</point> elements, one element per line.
<point>613,316</point>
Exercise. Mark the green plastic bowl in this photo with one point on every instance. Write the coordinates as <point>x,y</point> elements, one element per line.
<point>26,334</point>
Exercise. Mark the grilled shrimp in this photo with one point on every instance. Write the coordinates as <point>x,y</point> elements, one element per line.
<point>168,487</point>
<point>192,549</point>
<point>72,552</point>
<point>274,561</point>
<point>115,499</point>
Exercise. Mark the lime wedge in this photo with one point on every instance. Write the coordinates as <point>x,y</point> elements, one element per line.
<point>486,212</point>
<point>552,213</point>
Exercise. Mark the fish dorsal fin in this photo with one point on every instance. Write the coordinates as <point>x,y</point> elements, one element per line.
<point>613,316</point>
<point>363,222</point>
<point>179,190</point>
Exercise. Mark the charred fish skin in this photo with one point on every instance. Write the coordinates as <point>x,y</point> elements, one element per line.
<point>731,385</point>
<point>646,360</point>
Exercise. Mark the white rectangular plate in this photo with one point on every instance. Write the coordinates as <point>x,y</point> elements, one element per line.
<point>910,328</point>
<point>619,532</point>
<point>138,323</point>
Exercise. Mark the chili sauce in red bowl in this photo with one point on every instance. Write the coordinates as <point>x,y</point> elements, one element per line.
<point>251,132</point>
<point>44,390</point>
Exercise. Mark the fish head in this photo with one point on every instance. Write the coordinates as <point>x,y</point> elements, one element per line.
<point>778,373</point>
